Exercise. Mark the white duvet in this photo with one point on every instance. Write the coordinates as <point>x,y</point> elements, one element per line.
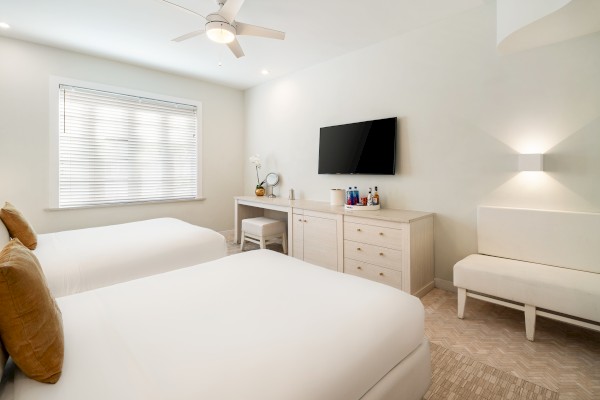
<point>83,259</point>
<point>256,326</point>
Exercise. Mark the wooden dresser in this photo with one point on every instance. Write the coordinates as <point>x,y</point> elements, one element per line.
<point>399,254</point>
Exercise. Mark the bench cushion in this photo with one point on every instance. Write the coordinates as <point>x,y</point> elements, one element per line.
<point>563,290</point>
<point>261,226</point>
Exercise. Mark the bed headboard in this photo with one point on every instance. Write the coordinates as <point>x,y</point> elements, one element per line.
<point>559,238</point>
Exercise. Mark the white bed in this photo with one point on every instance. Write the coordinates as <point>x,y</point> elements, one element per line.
<point>84,259</point>
<point>253,326</point>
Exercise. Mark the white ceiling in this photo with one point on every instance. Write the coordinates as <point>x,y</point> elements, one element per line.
<point>140,31</point>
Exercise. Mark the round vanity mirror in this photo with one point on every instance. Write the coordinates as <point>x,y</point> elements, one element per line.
<point>272,179</point>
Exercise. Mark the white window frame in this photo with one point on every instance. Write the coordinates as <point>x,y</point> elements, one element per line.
<point>54,84</point>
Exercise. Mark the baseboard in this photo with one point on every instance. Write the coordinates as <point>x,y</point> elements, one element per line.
<point>424,290</point>
<point>228,235</point>
<point>445,285</point>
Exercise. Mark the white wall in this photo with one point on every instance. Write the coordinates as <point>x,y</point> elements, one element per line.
<point>24,137</point>
<point>464,114</point>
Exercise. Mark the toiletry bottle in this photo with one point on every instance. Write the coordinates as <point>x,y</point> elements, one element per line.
<point>375,197</point>
<point>370,198</point>
<point>349,196</point>
<point>356,196</point>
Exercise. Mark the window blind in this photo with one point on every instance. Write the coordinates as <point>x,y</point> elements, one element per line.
<point>116,148</point>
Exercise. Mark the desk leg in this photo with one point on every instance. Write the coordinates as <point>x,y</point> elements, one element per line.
<point>242,212</point>
<point>290,235</point>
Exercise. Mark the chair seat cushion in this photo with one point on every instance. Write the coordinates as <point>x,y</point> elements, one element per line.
<point>572,292</point>
<point>261,226</point>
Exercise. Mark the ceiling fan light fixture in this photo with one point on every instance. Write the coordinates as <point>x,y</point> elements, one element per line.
<point>220,32</point>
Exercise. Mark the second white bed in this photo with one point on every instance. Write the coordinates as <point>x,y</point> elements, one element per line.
<point>83,259</point>
<point>256,326</point>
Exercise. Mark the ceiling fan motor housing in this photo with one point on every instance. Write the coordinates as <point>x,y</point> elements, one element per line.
<point>219,30</point>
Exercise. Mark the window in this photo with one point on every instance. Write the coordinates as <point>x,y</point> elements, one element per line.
<point>119,148</point>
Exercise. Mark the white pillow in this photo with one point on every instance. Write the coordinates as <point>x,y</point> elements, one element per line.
<point>4,236</point>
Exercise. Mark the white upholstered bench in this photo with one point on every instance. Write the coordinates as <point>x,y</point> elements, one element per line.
<point>261,230</point>
<point>544,263</point>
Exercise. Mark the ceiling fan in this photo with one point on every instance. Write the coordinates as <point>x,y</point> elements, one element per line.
<point>222,27</point>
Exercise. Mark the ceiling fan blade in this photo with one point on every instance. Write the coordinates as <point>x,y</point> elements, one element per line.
<point>230,9</point>
<point>253,30</point>
<point>188,35</point>
<point>235,48</point>
<point>183,8</point>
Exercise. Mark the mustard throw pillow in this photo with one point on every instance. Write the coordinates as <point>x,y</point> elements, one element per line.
<point>17,226</point>
<point>30,320</point>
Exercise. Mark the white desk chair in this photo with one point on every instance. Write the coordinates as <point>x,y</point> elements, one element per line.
<point>260,230</point>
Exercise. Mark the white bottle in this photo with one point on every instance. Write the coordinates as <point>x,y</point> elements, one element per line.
<point>370,198</point>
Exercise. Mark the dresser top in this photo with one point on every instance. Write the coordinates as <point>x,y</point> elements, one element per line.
<point>388,214</point>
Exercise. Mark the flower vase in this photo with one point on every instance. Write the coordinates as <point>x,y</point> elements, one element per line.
<point>259,191</point>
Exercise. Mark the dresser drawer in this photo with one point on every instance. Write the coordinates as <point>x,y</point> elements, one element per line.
<point>377,235</point>
<point>373,254</point>
<point>373,272</point>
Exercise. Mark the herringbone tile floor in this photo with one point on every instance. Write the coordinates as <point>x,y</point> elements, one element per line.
<point>563,358</point>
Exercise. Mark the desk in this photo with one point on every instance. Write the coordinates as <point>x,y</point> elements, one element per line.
<point>390,246</point>
<point>276,208</point>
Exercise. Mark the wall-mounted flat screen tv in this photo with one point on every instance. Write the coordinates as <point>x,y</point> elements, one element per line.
<point>367,147</point>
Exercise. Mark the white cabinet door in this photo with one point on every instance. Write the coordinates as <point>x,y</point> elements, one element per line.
<point>316,239</point>
<point>320,241</point>
<point>298,236</point>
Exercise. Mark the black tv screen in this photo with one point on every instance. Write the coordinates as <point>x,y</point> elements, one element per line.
<point>367,147</point>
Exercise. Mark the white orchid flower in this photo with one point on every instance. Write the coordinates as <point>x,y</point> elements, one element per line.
<point>255,159</point>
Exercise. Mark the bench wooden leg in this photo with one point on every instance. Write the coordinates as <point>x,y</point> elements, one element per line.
<point>462,300</point>
<point>529,322</point>
<point>242,241</point>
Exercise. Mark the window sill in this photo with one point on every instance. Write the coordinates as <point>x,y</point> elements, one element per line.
<point>137,203</point>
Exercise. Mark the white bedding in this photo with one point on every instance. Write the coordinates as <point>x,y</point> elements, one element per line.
<point>83,259</point>
<point>253,326</point>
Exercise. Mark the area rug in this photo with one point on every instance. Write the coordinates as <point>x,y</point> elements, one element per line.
<point>457,376</point>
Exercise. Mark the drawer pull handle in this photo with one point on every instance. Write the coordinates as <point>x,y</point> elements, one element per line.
<point>305,221</point>
<point>358,249</point>
<point>300,220</point>
<point>381,254</point>
<point>381,274</point>
<point>380,233</point>
<point>357,229</point>
<point>358,267</point>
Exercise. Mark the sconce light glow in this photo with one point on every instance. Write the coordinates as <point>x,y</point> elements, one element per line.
<point>534,137</point>
<point>265,72</point>
<point>4,25</point>
<point>531,162</point>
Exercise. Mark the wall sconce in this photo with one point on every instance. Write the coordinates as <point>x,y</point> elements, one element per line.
<point>531,162</point>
